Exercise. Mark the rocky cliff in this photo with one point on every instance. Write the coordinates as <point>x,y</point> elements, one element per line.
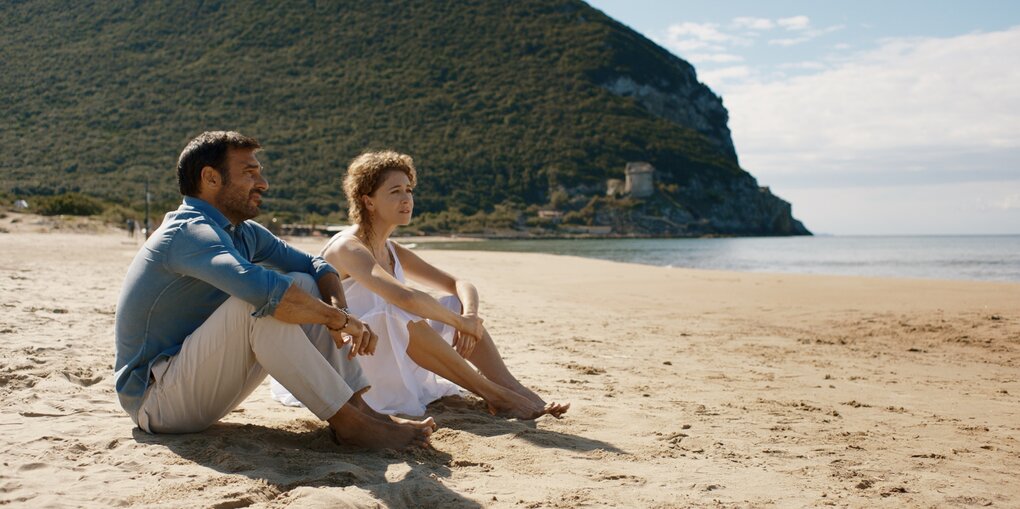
<point>690,104</point>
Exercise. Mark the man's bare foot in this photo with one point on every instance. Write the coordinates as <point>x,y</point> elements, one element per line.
<point>352,426</point>
<point>359,403</point>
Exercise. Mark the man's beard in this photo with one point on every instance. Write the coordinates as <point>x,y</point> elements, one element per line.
<point>237,203</point>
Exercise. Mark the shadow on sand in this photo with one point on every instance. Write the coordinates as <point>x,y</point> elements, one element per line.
<point>472,416</point>
<point>303,454</point>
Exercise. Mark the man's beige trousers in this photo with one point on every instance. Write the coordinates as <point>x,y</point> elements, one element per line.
<point>229,355</point>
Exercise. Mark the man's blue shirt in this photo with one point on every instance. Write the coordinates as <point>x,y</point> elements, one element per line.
<point>189,266</point>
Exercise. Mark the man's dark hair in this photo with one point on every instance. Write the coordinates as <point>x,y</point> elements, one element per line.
<point>208,149</point>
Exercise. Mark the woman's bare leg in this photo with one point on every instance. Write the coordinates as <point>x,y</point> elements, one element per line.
<point>488,360</point>
<point>427,349</point>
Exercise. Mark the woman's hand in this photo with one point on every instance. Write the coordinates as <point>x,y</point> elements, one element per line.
<point>471,324</point>
<point>464,344</point>
<point>468,334</point>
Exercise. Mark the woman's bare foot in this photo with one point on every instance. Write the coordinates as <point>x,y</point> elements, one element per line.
<point>557,409</point>
<point>352,426</point>
<point>554,409</point>
<point>506,402</point>
<point>426,423</point>
<point>356,400</point>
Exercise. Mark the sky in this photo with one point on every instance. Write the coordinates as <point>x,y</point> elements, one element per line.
<point>870,117</point>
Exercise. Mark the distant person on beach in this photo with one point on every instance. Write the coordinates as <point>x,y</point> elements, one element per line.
<point>419,336</point>
<point>203,317</point>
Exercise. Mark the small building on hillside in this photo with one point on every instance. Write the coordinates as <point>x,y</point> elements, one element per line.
<point>639,183</point>
<point>640,179</point>
<point>615,187</point>
<point>555,216</point>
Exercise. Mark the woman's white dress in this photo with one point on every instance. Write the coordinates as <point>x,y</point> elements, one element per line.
<point>398,384</point>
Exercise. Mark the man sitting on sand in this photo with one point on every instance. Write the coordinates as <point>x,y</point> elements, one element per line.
<point>203,317</point>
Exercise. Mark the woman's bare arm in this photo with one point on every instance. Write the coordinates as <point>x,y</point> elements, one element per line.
<point>358,262</point>
<point>424,272</point>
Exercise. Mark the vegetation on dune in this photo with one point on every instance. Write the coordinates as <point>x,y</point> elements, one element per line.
<point>72,204</point>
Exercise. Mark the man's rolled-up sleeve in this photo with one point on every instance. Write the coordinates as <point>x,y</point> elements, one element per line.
<point>201,252</point>
<point>275,252</point>
<point>280,286</point>
<point>321,267</point>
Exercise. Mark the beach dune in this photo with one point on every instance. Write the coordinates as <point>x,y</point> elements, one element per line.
<point>688,389</point>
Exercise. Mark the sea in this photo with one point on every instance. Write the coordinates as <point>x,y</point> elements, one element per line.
<point>962,257</point>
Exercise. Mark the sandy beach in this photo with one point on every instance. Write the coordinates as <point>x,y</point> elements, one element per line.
<point>688,389</point>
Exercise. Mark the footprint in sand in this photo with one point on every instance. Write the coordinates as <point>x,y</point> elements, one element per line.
<point>18,380</point>
<point>84,377</point>
<point>620,478</point>
<point>484,467</point>
<point>585,370</point>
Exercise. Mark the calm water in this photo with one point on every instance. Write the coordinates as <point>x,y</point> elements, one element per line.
<point>990,258</point>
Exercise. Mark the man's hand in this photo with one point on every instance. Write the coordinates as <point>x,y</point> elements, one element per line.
<point>363,340</point>
<point>362,337</point>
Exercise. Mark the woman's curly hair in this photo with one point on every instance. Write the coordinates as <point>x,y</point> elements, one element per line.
<point>364,176</point>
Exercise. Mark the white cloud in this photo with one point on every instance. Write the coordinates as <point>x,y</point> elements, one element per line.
<point>717,58</point>
<point>804,35</point>
<point>810,66</point>
<point>912,113</point>
<point>960,92</point>
<point>970,208</point>
<point>681,46</point>
<point>789,42</point>
<point>705,32</point>
<point>685,37</point>
<point>716,78</point>
<point>1011,202</point>
<point>747,22</point>
<point>794,23</point>
<point>689,36</point>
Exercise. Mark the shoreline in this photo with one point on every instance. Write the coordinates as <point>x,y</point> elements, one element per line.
<point>36,222</point>
<point>313,244</point>
<point>22,223</point>
<point>717,272</point>
<point>980,259</point>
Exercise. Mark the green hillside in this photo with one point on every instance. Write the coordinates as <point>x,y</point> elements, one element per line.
<point>502,104</point>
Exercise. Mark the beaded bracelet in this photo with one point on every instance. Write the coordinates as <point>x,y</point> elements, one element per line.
<point>347,320</point>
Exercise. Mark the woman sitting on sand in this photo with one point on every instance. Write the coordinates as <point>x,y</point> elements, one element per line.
<point>419,336</point>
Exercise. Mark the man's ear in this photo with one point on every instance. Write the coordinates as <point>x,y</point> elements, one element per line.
<point>210,177</point>
<point>367,201</point>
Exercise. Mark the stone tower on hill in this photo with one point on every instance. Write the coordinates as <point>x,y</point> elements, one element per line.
<point>640,180</point>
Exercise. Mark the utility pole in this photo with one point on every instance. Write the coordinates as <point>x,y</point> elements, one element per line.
<point>148,196</point>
